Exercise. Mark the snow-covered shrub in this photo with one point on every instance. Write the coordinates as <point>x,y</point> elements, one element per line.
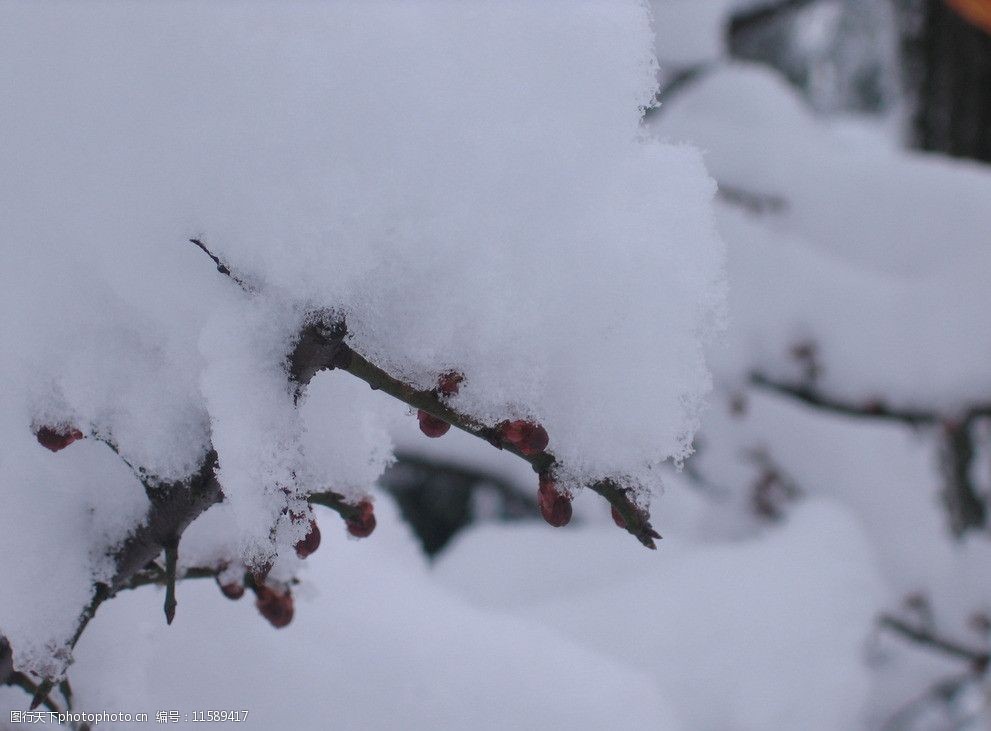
<point>454,203</point>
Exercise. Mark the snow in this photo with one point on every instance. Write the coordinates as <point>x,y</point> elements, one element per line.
<point>728,634</point>
<point>857,256</point>
<point>468,184</point>
<point>877,258</point>
<point>735,632</point>
<point>689,32</point>
<point>375,644</point>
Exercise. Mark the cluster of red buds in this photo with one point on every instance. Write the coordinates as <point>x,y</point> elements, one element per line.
<point>274,603</point>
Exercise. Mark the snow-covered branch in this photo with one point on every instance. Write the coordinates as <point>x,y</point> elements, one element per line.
<point>961,497</point>
<point>978,659</point>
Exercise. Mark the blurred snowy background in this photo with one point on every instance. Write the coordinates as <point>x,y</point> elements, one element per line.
<point>826,562</point>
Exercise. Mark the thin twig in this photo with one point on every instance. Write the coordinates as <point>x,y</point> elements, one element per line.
<point>872,409</point>
<point>171,559</point>
<point>752,201</point>
<point>942,690</point>
<point>221,267</point>
<point>965,507</point>
<point>824,402</point>
<point>749,18</point>
<point>22,681</point>
<point>337,503</point>
<point>347,359</point>
<point>978,659</point>
<point>321,346</point>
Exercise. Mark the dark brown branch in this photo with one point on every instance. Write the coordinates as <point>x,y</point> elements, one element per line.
<point>978,659</point>
<point>746,20</point>
<point>221,267</point>
<point>171,560</point>
<point>6,660</point>
<point>867,410</point>
<point>818,400</point>
<point>339,355</point>
<point>154,575</point>
<point>22,681</point>
<point>13,678</point>
<point>942,691</point>
<point>320,343</point>
<point>965,508</point>
<point>337,503</point>
<point>173,507</point>
<point>754,202</point>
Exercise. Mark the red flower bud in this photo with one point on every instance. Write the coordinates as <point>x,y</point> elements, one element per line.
<point>431,425</point>
<point>555,507</point>
<point>526,436</point>
<point>57,438</point>
<point>234,590</point>
<point>448,383</point>
<point>362,524</point>
<point>275,606</point>
<point>310,543</point>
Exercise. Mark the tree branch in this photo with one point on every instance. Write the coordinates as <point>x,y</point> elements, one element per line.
<point>978,659</point>
<point>942,691</point>
<point>337,503</point>
<point>173,507</point>
<point>965,508</point>
<point>746,20</point>
<point>325,349</point>
<point>869,410</point>
<point>754,202</point>
<point>221,267</point>
<point>171,559</point>
<point>963,505</point>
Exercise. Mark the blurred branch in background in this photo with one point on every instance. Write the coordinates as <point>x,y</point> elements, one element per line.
<point>750,20</point>
<point>833,50</point>
<point>752,201</point>
<point>946,696</point>
<point>928,637</point>
<point>852,55</point>
<point>439,498</point>
<point>965,506</point>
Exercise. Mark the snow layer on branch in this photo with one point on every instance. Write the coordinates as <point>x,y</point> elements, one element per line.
<point>879,257</point>
<point>467,182</point>
<point>503,217</point>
